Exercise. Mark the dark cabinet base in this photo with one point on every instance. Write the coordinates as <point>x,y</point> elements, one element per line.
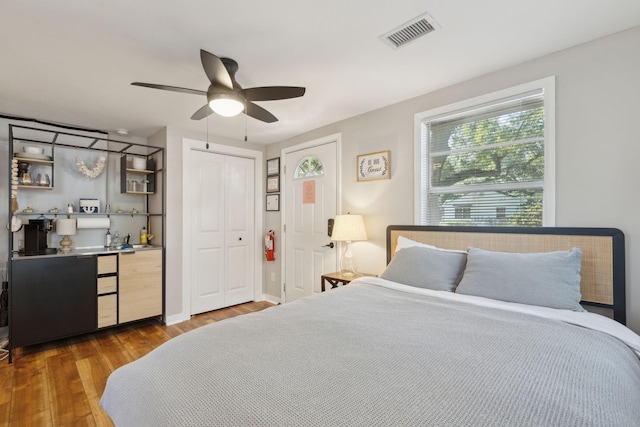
<point>52,298</point>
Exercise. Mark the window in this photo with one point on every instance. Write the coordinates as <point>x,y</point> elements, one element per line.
<point>308,167</point>
<point>463,212</point>
<point>488,161</point>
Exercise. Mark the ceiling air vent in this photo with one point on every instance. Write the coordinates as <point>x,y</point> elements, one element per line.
<point>410,31</point>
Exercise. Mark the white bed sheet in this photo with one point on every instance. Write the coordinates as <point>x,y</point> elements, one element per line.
<point>584,319</point>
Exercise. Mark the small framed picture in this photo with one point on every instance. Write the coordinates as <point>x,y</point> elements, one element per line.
<point>374,166</point>
<point>273,166</point>
<point>273,184</point>
<point>273,202</point>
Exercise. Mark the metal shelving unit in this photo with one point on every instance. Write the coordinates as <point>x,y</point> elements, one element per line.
<point>52,138</point>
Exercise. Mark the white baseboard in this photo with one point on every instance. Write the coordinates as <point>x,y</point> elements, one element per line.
<point>177,318</point>
<point>271,299</point>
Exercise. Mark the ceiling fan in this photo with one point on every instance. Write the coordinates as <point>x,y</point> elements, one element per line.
<point>226,97</point>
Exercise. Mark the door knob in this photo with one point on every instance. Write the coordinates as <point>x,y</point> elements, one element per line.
<point>330,245</point>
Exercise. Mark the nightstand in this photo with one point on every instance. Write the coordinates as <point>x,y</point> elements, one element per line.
<point>338,277</point>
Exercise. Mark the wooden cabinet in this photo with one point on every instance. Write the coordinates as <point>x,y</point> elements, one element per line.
<point>129,287</point>
<point>140,285</point>
<point>129,175</point>
<point>58,297</point>
<point>52,298</point>
<point>107,290</point>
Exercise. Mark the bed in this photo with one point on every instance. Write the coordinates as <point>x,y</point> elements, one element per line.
<point>416,346</point>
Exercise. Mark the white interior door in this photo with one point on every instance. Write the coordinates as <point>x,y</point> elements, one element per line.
<point>310,201</point>
<point>239,230</point>
<point>221,260</point>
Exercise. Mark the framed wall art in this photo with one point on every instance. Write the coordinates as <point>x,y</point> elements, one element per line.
<point>273,184</point>
<point>374,166</point>
<point>273,202</point>
<point>273,166</point>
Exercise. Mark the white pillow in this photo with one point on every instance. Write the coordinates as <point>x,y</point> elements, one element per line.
<point>403,243</point>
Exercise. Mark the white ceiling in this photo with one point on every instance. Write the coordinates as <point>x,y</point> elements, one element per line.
<point>72,61</point>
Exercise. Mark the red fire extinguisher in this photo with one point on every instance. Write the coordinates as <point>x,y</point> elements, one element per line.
<point>270,246</point>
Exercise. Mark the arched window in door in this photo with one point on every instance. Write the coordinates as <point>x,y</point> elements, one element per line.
<point>308,167</point>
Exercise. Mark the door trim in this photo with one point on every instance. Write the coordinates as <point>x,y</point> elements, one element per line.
<point>227,150</point>
<point>337,138</point>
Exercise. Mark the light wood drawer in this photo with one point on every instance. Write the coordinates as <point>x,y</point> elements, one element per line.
<point>108,264</point>
<point>107,310</point>
<point>107,285</point>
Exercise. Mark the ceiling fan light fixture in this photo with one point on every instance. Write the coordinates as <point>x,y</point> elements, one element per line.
<point>226,105</point>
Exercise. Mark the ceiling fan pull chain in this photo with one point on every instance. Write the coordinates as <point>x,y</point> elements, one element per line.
<point>245,123</point>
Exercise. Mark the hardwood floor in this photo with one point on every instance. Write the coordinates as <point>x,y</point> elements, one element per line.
<point>60,383</point>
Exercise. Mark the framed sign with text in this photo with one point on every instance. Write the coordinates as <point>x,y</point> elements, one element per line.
<point>273,184</point>
<point>273,166</point>
<point>374,166</point>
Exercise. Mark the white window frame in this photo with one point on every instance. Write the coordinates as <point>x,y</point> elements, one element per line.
<point>421,170</point>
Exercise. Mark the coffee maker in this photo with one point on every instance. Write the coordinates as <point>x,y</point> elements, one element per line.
<point>35,237</point>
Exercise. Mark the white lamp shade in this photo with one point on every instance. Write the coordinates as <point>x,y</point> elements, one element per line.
<point>226,107</point>
<point>348,228</point>
<point>66,227</point>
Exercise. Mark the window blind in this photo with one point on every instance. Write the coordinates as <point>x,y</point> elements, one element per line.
<point>485,164</point>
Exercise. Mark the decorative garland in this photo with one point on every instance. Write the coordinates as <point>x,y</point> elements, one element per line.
<point>95,170</point>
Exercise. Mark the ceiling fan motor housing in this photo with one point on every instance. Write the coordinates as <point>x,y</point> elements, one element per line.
<point>221,92</point>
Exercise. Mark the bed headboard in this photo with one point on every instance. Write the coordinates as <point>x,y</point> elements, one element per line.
<point>603,270</point>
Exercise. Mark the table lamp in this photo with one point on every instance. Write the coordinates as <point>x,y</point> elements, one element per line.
<point>66,228</point>
<point>348,228</point>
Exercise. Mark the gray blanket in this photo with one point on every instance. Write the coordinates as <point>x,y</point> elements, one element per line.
<point>365,355</point>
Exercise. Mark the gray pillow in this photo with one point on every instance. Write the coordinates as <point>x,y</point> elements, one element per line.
<point>548,279</point>
<point>428,268</point>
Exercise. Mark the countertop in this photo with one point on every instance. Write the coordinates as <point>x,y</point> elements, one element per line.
<point>98,250</point>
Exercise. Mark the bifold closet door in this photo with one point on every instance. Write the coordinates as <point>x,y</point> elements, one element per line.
<point>221,195</point>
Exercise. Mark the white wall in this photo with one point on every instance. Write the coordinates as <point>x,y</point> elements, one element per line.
<point>597,92</point>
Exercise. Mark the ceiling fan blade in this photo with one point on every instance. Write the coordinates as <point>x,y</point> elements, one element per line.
<point>215,69</point>
<point>202,113</point>
<point>260,113</point>
<point>171,88</point>
<point>272,93</point>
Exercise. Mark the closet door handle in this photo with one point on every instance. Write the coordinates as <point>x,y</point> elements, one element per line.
<point>330,245</point>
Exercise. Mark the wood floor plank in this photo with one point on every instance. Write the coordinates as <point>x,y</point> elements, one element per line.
<point>154,334</point>
<point>6,386</point>
<point>94,373</point>
<point>173,331</point>
<point>82,347</point>
<point>134,343</point>
<point>30,395</point>
<point>68,398</point>
<point>60,383</point>
<point>111,350</point>
<point>87,421</point>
